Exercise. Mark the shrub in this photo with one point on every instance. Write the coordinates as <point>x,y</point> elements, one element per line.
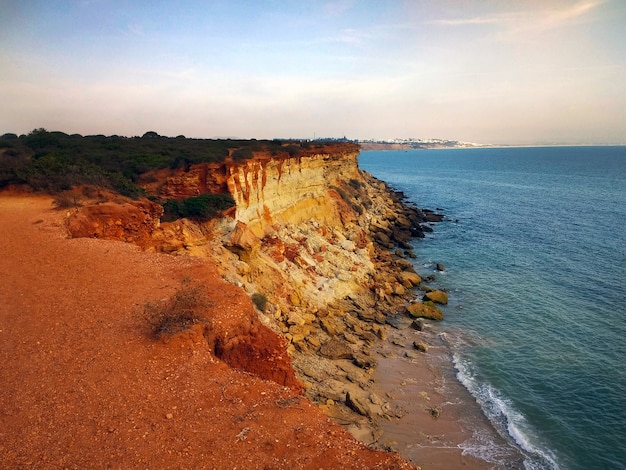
<point>66,200</point>
<point>356,184</point>
<point>242,154</point>
<point>204,207</point>
<point>177,314</point>
<point>259,301</point>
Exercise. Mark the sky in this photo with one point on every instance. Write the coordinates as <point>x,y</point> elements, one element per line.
<point>518,72</point>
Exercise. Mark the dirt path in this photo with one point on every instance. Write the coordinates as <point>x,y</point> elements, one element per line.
<point>82,385</point>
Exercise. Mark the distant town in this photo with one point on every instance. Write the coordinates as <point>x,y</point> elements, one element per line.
<point>414,144</point>
<point>404,144</point>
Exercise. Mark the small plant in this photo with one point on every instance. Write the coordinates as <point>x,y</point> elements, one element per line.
<point>356,184</point>
<point>66,200</point>
<point>259,301</point>
<point>178,313</point>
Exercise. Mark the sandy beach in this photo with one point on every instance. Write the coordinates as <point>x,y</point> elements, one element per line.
<point>440,425</point>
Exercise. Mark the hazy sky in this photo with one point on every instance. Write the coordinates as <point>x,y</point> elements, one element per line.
<point>489,71</point>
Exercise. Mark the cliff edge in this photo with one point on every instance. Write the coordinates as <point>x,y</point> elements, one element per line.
<point>321,247</point>
<point>303,275</point>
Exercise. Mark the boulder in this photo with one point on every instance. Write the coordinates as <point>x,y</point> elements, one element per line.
<point>382,238</point>
<point>420,310</point>
<point>333,326</point>
<point>399,322</point>
<point>437,296</point>
<point>336,350</point>
<point>358,405</point>
<point>421,347</point>
<point>417,325</point>
<point>432,217</point>
<point>364,361</point>
<point>409,279</point>
<point>440,267</point>
<point>243,240</point>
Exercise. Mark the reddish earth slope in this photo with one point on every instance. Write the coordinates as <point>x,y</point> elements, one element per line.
<point>83,384</point>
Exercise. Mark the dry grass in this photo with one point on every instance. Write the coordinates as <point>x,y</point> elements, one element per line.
<point>187,307</point>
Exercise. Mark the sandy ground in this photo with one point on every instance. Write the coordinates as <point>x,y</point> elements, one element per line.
<point>84,386</point>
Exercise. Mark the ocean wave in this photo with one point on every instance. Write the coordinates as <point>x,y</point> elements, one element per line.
<point>509,422</point>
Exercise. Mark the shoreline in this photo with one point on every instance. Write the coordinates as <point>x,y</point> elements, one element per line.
<point>439,425</point>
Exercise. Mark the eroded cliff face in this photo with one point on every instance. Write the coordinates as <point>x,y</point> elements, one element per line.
<point>271,191</point>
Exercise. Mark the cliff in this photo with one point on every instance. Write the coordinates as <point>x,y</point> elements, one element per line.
<point>323,243</point>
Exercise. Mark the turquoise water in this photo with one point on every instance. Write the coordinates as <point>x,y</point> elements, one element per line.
<point>535,251</point>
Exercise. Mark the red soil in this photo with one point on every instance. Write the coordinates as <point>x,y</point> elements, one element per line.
<point>84,385</point>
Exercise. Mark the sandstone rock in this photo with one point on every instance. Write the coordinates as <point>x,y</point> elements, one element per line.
<point>409,279</point>
<point>350,338</point>
<point>358,405</point>
<point>412,354</point>
<point>304,330</point>
<point>333,326</point>
<point>420,346</point>
<point>357,377</point>
<point>398,289</point>
<point>436,296</point>
<point>399,322</point>
<point>402,221</point>
<point>417,325</point>
<point>364,361</point>
<point>335,349</point>
<point>420,310</point>
<point>383,239</point>
<point>314,342</point>
<point>348,245</point>
<point>243,240</point>
<point>380,331</point>
<point>295,318</point>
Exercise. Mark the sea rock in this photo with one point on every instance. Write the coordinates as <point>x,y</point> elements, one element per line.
<point>399,322</point>
<point>433,217</point>
<point>417,325</point>
<point>409,279</point>
<point>383,239</point>
<point>420,346</point>
<point>437,296</point>
<point>440,267</point>
<point>420,310</point>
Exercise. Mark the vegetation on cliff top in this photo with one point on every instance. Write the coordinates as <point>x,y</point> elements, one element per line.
<point>54,161</point>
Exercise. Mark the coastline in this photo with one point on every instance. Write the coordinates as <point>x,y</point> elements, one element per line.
<point>364,374</point>
<point>439,424</point>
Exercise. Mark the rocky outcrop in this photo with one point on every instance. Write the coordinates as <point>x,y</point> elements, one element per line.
<point>436,296</point>
<point>128,221</point>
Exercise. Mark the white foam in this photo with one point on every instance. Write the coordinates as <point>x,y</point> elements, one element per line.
<point>509,422</point>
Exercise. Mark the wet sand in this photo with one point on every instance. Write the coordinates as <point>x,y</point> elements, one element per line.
<point>439,424</point>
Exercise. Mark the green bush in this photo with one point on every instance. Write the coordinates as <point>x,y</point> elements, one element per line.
<point>55,161</point>
<point>242,154</point>
<point>259,301</point>
<point>204,207</point>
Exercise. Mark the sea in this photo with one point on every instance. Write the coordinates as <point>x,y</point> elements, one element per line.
<point>534,248</point>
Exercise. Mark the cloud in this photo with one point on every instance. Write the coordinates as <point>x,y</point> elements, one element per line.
<point>522,21</point>
<point>337,7</point>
